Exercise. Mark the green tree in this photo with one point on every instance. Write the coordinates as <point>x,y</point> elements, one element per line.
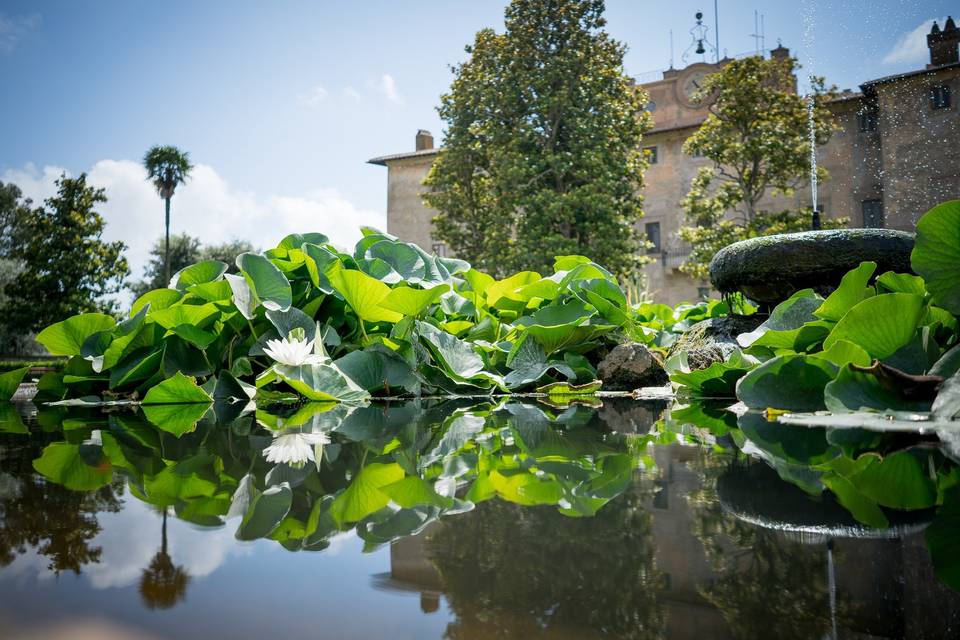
<point>168,168</point>
<point>542,146</point>
<point>757,136</point>
<point>67,268</point>
<point>184,251</point>
<point>13,209</point>
<point>180,250</point>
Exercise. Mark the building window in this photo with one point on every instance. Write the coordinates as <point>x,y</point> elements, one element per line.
<point>872,214</point>
<point>653,236</point>
<point>651,153</point>
<point>940,96</point>
<point>867,119</point>
<point>439,249</point>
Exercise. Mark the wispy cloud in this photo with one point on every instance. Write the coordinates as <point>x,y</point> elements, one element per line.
<point>353,94</point>
<point>911,47</point>
<point>314,97</point>
<point>388,87</point>
<point>14,28</point>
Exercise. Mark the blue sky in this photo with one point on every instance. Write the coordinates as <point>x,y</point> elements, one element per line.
<point>280,104</point>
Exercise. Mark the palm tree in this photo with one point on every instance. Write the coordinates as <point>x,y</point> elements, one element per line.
<point>167,167</point>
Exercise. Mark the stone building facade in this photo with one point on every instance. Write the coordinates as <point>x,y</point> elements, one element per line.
<point>895,154</point>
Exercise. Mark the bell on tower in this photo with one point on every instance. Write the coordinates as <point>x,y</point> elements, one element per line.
<point>944,44</point>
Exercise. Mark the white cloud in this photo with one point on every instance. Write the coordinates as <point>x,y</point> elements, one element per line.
<point>315,96</point>
<point>388,87</point>
<point>207,206</point>
<point>352,93</point>
<point>911,47</point>
<point>14,28</point>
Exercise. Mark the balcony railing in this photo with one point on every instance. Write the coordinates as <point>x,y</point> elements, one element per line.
<point>672,258</point>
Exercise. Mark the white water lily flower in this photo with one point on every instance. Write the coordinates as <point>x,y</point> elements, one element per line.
<point>295,449</point>
<point>292,352</point>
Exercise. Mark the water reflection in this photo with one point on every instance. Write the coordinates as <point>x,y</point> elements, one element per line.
<point>502,519</point>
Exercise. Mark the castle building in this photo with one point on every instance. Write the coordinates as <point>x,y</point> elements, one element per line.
<point>895,154</point>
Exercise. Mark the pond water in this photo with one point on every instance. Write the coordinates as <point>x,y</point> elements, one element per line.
<point>459,520</point>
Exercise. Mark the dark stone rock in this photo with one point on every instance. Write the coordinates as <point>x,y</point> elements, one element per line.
<point>631,366</point>
<point>770,269</point>
<point>713,340</point>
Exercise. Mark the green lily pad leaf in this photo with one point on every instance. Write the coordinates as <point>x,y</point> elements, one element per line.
<point>946,406</point>
<point>936,254</point>
<point>364,496</point>
<point>10,420</point>
<point>843,352</point>
<point>529,364</point>
<point>719,380</point>
<point>228,388</point>
<point>199,273</point>
<point>197,337</point>
<point>363,293</point>
<point>297,240</point>
<point>178,389</point>
<point>856,389</point>
<point>196,315</point>
<point>564,389</point>
<point>63,463</point>
<point>66,338</point>
<point>378,368</point>
<point>459,360</point>
<point>785,321</point>
<point>898,481</point>
<point>212,291</point>
<point>176,419</point>
<point>891,282</point>
<point>412,491</point>
<point>157,299</point>
<point>881,324</point>
<point>948,364</point>
<point>862,508</point>
<point>853,289</point>
<point>401,257</point>
<point>322,383</point>
<point>266,281</point>
<point>292,318</point>
<point>265,513</point>
<point>411,302</point>
<point>791,382</point>
<point>10,382</point>
<point>243,298</point>
<point>136,368</point>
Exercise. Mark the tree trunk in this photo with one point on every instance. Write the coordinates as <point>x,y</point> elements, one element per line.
<point>166,246</point>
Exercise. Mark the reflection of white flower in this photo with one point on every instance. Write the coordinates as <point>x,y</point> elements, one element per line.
<point>295,448</point>
<point>292,352</point>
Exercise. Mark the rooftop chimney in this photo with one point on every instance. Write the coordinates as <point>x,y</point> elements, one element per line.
<point>424,140</point>
<point>944,44</point>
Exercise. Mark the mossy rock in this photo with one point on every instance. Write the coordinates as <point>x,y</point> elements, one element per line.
<point>770,269</point>
<point>714,339</point>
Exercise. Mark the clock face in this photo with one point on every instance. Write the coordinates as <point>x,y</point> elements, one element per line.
<point>692,85</point>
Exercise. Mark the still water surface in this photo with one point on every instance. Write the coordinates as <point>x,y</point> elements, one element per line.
<point>533,522</point>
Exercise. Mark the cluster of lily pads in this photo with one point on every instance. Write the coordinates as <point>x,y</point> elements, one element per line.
<point>303,475</point>
<point>307,321</point>
<point>885,347</point>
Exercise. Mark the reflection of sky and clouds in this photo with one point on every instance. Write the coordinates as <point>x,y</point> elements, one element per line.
<point>664,555</point>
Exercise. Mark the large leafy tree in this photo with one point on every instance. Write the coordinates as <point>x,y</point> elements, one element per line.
<point>167,167</point>
<point>185,250</point>
<point>65,265</point>
<point>757,136</point>
<point>542,149</point>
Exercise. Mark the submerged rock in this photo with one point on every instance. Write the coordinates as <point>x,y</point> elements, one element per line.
<point>713,340</point>
<point>770,269</point>
<point>631,366</point>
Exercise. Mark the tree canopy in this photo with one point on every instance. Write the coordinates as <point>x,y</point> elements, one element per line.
<point>65,265</point>
<point>757,137</point>
<point>184,251</point>
<point>542,147</point>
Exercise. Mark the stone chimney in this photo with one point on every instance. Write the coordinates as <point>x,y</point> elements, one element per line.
<point>424,140</point>
<point>944,44</point>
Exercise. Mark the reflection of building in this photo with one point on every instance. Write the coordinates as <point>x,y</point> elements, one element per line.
<point>411,571</point>
<point>895,155</point>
